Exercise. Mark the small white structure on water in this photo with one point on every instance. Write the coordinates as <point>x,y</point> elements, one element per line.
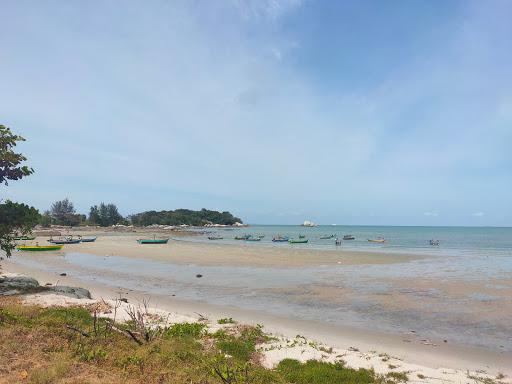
<point>308,223</point>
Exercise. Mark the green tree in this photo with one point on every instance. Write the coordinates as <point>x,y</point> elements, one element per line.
<point>105,215</point>
<point>14,217</point>
<point>10,161</point>
<point>63,212</point>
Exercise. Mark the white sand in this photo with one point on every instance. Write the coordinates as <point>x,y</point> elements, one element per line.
<point>288,344</point>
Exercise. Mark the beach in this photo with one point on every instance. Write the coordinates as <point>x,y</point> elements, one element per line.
<point>373,302</point>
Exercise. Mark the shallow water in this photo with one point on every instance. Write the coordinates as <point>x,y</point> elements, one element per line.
<point>453,240</point>
<point>464,299</point>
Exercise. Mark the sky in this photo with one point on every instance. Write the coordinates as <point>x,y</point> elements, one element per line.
<point>348,112</point>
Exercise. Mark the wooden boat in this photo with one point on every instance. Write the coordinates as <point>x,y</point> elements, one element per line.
<point>39,247</point>
<point>24,238</point>
<point>66,241</point>
<point>243,237</point>
<point>348,237</point>
<point>253,239</point>
<point>298,241</point>
<point>87,239</point>
<point>434,242</point>
<point>380,240</point>
<point>280,239</point>
<point>215,238</point>
<point>152,241</point>
<point>327,237</point>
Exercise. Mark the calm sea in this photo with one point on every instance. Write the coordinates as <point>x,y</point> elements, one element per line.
<point>452,240</point>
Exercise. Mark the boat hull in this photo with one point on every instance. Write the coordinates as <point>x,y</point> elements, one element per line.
<point>64,241</point>
<point>38,248</point>
<point>302,241</point>
<point>89,240</point>
<point>152,241</point>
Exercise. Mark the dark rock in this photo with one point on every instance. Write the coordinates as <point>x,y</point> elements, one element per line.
<point>124,300</point>
<point>74,292</point>
<point>23,282</point>
<point>63,274</point>
<point>199,275</point>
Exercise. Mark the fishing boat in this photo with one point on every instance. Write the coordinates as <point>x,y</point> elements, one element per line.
<point>261,236</point>
<point>298,241</point>
<point>88,239</point>
<point>253,239</point>
<point>434,242</point>
<point>280,239</point>
<point>39,247</point>
<point>215,238</point>
<point>24,238</point>
<point>65,241</point>
<point>242,237</point>
<point>327,237</point>
<point>152,241</point>
<point>379,240</point>
<point>348,237</point>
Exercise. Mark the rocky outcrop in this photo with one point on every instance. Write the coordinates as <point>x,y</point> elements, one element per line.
<point>13,284</point>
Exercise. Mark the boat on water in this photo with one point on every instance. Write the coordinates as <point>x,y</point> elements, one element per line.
<point>434,242</point>
<point>298,241</point>
<point>215,238</point>
<point>280,239</point>
<point>39,247</point>
<point>242,237</point>
<point>327,237</point>
<point>24,238</point>
<point>152,241</point>
<point>348,237</point>
<point>250,238</point>
<point>378,240</point>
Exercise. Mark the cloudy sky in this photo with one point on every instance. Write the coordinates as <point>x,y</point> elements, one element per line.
<point>348,112</point>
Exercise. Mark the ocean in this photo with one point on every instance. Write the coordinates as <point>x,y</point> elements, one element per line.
<point>494,241</point>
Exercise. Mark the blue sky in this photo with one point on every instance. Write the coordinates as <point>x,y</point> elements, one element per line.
<point>353,112</point>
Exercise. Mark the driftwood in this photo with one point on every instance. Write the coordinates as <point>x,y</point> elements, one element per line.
<point>83,333</point>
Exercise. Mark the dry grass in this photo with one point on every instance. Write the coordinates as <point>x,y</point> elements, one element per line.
<point>69,345</point>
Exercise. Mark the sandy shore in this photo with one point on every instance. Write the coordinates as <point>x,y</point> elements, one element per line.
<point>359,348</point>
<point>434,359</point>
<point>186,252</point>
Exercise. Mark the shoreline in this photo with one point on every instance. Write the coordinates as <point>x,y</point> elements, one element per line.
<point>369,344</point>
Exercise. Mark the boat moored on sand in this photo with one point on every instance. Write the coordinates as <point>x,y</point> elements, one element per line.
<point>348,237</point>
<point>378,240</point>
<point>152,241</point>
<point>298,241</point>
<point>36,248</point>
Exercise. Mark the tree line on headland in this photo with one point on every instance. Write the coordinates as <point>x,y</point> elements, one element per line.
<point>63,213</point>
<point>19,218</point>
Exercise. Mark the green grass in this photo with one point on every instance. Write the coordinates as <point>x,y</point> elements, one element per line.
<point>315,372</point>
<point>226,320</point>
<point>39,343</point>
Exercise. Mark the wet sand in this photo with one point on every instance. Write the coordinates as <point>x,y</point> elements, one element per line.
<point>372,301</point>
<point>186,252</point>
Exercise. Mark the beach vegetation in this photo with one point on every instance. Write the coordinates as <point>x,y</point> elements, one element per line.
<point>105,215</point>
<point>15,218</point>
<point>71,344</point>
<point>63,212</point>
<point>398,377</point>
<point>226,320</point>
<point>184,216</point>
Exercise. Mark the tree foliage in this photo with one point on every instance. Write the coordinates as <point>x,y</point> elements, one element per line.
<point>15,218</point>
<point>184,216</point>
<point>10,161</point>
<point>105,215</point>
<point>63,213</point>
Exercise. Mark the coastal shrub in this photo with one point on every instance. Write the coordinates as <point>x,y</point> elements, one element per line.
<point>58,316</point>
<point>398,377</point>
<point>193,330</point>
<point>241,342</point>
<point>317,372</point>
<point>226,320</point>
